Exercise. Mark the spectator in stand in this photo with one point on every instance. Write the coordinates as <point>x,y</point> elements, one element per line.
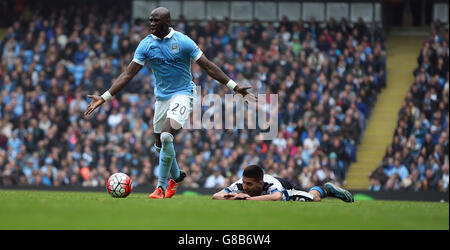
<point>420,142</point>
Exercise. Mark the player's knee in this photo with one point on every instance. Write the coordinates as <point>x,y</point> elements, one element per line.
<point>167,150</point>
<point>166,137</point>
<point>171,124</point>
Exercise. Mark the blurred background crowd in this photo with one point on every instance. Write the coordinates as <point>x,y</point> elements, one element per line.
<point>417,159</point>
<point>327,77</point>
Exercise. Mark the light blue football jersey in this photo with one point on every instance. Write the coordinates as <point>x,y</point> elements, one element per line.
<point>170,61</point>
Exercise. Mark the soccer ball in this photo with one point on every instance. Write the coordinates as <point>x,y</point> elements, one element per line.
<point>119,185</point>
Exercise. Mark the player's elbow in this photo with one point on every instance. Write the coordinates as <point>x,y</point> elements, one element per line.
<point>276,196</point>
<point>218,196</point>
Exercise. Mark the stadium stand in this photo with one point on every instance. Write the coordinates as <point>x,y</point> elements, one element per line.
<point>327,78</point>
<point>417,158</point>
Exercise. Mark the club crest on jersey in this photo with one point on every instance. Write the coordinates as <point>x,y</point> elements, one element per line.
<point>174,48</point>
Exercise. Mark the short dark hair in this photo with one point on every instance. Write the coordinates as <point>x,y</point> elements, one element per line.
<point>254,171</point>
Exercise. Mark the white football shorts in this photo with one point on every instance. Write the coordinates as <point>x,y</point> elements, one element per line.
<point>177,108</point>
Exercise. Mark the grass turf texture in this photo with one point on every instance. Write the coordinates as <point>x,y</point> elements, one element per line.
<point>90,210</point>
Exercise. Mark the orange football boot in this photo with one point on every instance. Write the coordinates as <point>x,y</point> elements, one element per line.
<point>171,188</point>
<point>173,184</point>
<point>157,194</point>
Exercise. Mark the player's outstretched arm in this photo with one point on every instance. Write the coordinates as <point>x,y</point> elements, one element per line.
<point>221,195</point>
<point>123,79</point>
<point>277,196</point>
<point>215,72</point>
<point>224,195</point>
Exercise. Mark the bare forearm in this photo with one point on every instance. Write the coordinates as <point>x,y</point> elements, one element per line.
<point>119,83</point>
<point>215,72</point>
<point>219,195</point>
<point>268,197</point>
<point>124,78</point>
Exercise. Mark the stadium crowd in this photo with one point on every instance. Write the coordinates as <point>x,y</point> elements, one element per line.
<point>327,77</point>
<point>417,159</point>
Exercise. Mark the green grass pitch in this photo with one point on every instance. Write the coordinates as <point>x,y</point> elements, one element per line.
<point>91,210</point>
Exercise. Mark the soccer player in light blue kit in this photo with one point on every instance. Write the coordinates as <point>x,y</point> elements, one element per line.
<point>168,53</point>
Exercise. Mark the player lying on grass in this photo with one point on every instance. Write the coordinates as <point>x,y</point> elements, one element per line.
<point>255,185</point>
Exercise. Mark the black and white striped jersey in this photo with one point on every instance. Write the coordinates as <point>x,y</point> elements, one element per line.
<point>274,184</point>
<point>270,186</point>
